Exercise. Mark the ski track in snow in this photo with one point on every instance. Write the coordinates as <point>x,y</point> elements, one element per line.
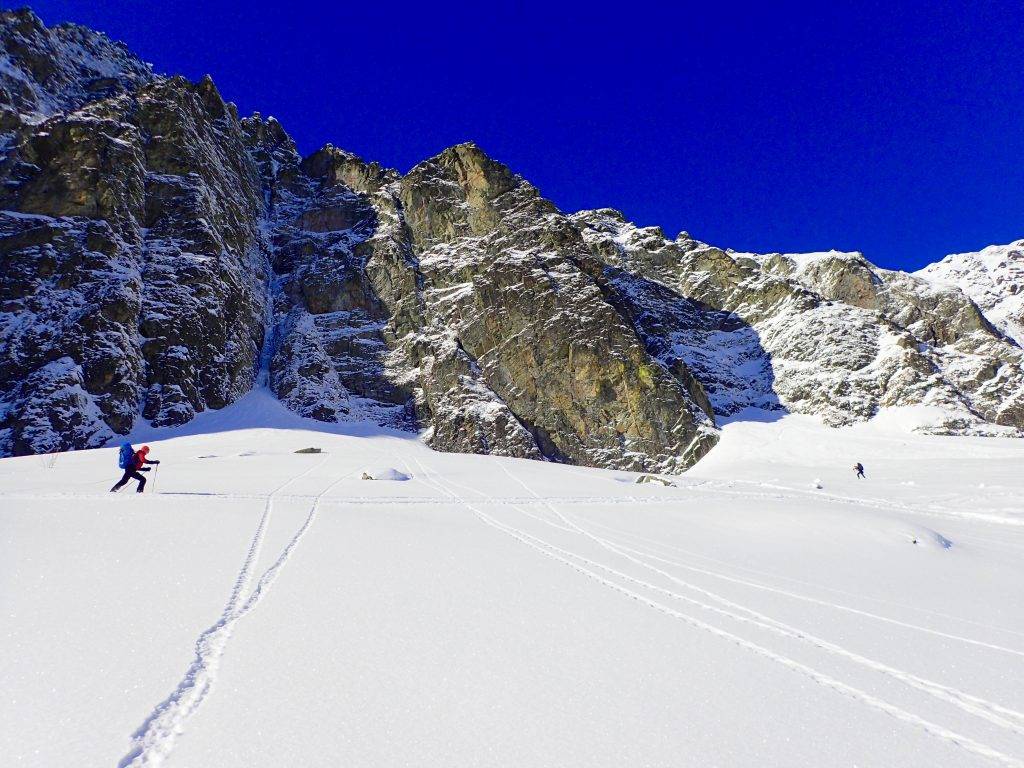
<point>975,705</point>
<point>702,487</point>
<point>883,504</point>
<point>817,601</point>
<point>971,704</point>
<point>756,585</point>
<point>746,582</point>
<point>735,566</point>
<point>154,740</point>
<point>725,487</point>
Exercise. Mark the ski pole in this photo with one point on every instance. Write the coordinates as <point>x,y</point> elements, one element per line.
<point>155,473</point>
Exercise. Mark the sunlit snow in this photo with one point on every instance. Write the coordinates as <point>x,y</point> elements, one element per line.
<point>263,607</point>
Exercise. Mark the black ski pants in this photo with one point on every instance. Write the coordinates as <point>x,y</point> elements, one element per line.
<point>130,474</point>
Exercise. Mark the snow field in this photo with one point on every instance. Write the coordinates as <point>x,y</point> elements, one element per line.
<point>268,608</point>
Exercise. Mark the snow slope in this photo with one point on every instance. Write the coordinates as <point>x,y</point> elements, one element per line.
<point>268,608</point>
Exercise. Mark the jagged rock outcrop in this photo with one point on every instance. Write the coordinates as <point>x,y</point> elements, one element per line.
<point>993,278</point>
<point>59,69</point>
<point>160,256</point>
<point>509,279</point>
<point>836,335</point>
<point>455,298</point>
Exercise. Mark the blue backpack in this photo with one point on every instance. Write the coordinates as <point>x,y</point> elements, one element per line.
<point>126,456</point>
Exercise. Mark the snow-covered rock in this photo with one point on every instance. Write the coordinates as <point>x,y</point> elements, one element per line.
<point>44,71</point>
<point>160,257</point>
<point>993,278</point>
<point>131,243</point>
<point>384,473</point>
<point>826,333</point>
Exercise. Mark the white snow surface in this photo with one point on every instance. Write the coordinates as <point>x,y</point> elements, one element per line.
<point>266,608</point>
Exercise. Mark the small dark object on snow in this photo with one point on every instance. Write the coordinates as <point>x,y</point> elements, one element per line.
<point>308,450</point>
<point>859,469</point>
<point>131,462</point>
<point>915,540</point>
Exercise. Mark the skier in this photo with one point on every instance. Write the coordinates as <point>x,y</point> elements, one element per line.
<point>859,468</point>
<point>132,464</point>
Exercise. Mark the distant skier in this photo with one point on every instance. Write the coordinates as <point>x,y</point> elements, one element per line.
<point>859,469</point>
<point>132,464</point>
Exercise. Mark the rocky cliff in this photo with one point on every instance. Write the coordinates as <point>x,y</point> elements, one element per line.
<point>836,336</point>
<point>993,278</point>
<point>160,255</point>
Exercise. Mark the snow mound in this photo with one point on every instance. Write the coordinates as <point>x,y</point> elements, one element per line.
<point>386,473</point>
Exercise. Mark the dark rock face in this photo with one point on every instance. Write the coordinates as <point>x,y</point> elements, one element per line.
<point>130,249</point>
<point>160,256</point>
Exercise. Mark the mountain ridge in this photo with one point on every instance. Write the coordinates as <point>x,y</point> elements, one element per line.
<point>162,256</point>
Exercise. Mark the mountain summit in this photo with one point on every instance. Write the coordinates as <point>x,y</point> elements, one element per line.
<point>161,256</point>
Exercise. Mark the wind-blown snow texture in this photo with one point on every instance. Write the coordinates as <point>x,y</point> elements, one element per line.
<point>161,256</point>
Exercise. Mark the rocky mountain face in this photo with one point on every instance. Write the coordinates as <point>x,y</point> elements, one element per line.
<point>825,333</point>
<point>46,71</point>
<point>133,260</point>
<point>993,278</point>
<point>160,255</point>
<point>456,298</point>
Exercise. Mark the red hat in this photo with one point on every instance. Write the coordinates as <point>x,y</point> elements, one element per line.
<point>144,449</point>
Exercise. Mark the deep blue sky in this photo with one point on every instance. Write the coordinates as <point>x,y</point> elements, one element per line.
<point>898,131</point>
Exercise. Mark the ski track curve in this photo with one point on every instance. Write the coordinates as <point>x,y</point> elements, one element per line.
<point>828,681</point>
<point>874,503</point>
<point>780,577</point>
<point>995,713</point>
<point>817,601</point>
<point>153,741</point>
<point>752,584</point>
<point>516,504</point>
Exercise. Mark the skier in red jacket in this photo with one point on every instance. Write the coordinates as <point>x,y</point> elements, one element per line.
<point>131,472</point>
